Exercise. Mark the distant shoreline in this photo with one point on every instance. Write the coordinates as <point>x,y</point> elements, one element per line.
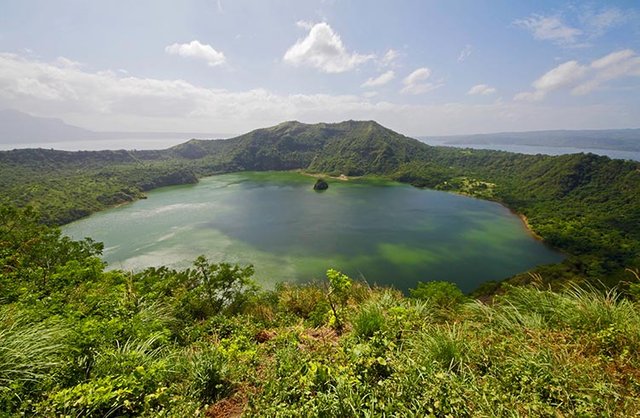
<point>341,177</point>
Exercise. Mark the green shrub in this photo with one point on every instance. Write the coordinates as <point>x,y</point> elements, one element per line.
<point>219,288</point>
<point>150,358</point>
<point>442,294</point>
<point>338,295</point>
<point>301,300</point>
<point>105,396</point>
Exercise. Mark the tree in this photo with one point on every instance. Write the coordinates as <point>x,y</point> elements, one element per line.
<point>31,253</point>
<point>223,286</point>
<point>338,294</point>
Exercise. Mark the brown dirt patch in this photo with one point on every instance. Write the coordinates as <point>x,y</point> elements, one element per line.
<point>264,335</point>
<point>230,407</point>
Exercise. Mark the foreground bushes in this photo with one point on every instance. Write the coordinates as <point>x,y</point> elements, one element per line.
<point>78,341</point>
<point>529,353</point>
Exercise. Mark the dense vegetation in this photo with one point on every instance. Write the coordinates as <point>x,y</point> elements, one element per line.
<point>76,340</point>
<point>585,205</point>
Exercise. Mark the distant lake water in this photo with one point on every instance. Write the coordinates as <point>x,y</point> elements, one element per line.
<point>534,149</point>
<point>100,144</point>
<point>384,232</point>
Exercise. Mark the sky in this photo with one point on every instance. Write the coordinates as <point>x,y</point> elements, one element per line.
<point>418,67</point>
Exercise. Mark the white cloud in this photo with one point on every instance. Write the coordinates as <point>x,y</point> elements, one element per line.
<point>65,62</point>
<point>597,23</point>
<point>530,96</point>
<point>390,57</point>
<point>588,25</point>
<point>482,89</point>
<point>619,64</point>
<point>417,76</point>
<point>381,80</point>
<point>195,49</point>
<point>566,74</point>
<point>305,24</point>
<point>584,79</point>
<point>415,83</point>
<point>110,101</point>
<point>421,88</point>
<point>323,49</point>
<point>561,76</point>
<point>464,54</point>
<point>549,28</point>
<point>612,59</point>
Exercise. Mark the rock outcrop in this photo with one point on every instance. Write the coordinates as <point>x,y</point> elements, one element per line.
<point>320,185</point>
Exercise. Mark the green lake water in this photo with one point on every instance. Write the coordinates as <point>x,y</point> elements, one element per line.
<point>384,232</point>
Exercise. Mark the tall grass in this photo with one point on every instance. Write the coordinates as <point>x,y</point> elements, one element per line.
<point>125,357</point>
<point>28,351</point>
<point>208,373</point>
<point>369,321</point>
<point>445,347</point>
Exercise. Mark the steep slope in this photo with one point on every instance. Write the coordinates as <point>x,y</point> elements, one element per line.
<point>286,146</point>
<point>367,148</point>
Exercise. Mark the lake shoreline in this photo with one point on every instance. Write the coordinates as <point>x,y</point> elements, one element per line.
<point>341,177</point>
<point>523,218</point>
<point>527,225</point>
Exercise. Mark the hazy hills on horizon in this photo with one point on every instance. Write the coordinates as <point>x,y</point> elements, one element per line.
<point>18,127</point>
<point>608,139</point>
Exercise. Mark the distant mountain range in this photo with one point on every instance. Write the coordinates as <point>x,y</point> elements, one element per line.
<point>609,139</point>
<point>18,127</point>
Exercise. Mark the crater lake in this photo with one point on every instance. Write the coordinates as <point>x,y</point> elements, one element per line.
<point>383,232</point>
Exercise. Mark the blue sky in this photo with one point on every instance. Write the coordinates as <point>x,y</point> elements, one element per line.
<point>419,67</point>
